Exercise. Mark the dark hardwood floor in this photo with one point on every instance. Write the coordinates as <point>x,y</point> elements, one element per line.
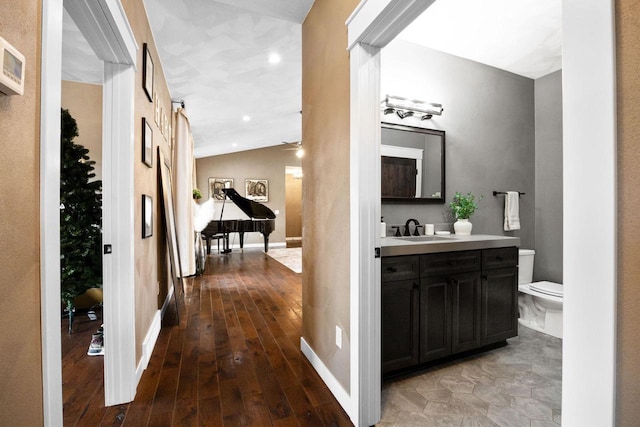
<point>233,360</point>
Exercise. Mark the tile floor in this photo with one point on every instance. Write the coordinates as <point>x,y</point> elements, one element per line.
<point>519,385</point>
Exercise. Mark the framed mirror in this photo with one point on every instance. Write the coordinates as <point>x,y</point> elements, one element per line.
<point>413,164</point>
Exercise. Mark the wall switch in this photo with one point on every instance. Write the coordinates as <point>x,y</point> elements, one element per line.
<point>338,337</point>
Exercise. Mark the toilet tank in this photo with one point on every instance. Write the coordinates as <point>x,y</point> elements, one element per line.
<point>525,266</point>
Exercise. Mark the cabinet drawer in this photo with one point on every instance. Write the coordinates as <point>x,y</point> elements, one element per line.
<point>449,263</point>
<point>499,258</point>
<point>400,268</point>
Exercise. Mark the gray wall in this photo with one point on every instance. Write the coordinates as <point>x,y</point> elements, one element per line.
<point>489,122</point>
<point>264,163</point>
<point>548,104</point>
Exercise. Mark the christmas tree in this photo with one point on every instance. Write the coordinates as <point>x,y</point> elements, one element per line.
<point>80,218</point>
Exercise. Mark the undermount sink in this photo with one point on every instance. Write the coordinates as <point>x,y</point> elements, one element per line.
<point>424,238</point>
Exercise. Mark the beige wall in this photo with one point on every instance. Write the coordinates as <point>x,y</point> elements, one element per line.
<point>628,63</point>
<point>325,200</point>
<point>20,348</point>
<point>264,163</point>
<point>84,102</point>
<point>150,266</point>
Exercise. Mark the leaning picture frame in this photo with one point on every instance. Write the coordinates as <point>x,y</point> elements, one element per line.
<point>257,190</point>
<point>147,216</point>
<point>147,72</point>
<point>147,143</point>
<point>216,185</point>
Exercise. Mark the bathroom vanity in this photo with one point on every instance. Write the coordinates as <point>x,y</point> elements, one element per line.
<point>444,296</point>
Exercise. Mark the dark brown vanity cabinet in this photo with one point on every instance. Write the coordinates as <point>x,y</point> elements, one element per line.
<point>446,303</point>
<point>499,294</point>
<point>400,312</point>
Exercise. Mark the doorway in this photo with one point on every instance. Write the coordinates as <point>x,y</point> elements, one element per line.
<point>106,28</point>
<point>588,77</point>
<point>293,206</point>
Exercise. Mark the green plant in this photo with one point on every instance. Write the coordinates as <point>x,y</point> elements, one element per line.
<point>80,218</point>
<point>463,207</point>
<point>197,194</point>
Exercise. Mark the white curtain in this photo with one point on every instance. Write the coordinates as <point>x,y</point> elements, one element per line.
<point>183,180</point>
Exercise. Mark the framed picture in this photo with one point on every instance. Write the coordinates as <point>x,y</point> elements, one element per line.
<point>257,189</point>
<point>147,72</point>
<point>216,185</point>
<point>147,216</point>
<point>147,143</point>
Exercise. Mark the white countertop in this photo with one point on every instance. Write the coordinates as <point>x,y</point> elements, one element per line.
<point>394,246</point>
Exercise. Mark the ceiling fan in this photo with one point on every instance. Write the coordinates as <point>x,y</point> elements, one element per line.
<point>295,145</point>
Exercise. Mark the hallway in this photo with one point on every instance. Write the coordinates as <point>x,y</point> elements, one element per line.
<point>233,360</point>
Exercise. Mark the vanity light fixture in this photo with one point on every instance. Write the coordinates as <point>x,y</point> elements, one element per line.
<point>404,107</point>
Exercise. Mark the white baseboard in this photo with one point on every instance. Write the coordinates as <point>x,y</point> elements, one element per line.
<point>255,245</point>
<point>148,344</point>
<point>341,395</point>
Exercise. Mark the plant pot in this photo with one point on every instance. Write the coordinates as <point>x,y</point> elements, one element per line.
<point>463,227</point>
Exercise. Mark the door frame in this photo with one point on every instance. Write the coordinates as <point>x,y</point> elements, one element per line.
<point>105,26</point>
<point>589,258</point>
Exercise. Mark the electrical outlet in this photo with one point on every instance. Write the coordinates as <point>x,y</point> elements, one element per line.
<point>338,337</point>
<point>277,211</point>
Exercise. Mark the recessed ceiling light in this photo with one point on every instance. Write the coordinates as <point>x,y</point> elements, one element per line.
<point>274,58</point>
<point>246,118</point>
<point>234,145</point>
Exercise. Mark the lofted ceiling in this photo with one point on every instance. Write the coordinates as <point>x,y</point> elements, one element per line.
<point>215,56</point>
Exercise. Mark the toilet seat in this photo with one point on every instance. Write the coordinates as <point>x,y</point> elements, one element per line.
<point>547,288</point>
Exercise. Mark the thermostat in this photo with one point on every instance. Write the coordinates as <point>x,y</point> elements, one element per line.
<point>12,75</point>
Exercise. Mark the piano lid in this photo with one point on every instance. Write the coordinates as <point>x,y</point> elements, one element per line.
<point>252,209</point>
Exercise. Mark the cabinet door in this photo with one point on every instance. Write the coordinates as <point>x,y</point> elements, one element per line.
<point>435,318</point>
<point>400,323</point>
<point>465,312</point>
<point>499,304</point>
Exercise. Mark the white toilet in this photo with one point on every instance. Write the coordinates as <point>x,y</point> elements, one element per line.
<point>540,303</point>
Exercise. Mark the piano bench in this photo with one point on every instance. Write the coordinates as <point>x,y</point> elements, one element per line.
<point>208,240</point>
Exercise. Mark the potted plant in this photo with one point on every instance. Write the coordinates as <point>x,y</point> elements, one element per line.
<point>197,195</point>
<point>462,208</point>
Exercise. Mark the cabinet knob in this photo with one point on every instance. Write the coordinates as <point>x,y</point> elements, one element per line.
<point>392,269</point>
<point>499,258</point>
<point>415,286</point>
<point>485,277</point>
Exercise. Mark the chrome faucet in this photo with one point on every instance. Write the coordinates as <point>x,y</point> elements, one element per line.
<point>416,224</point>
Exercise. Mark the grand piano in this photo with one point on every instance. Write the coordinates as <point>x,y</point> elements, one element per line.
<point>262,219</point>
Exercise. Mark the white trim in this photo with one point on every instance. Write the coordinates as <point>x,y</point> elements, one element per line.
<point>377,22</point>
<point>332,383</point>
<point>104,25</point>
<point>148,344</point>
<point>254,245</point>
<point>118,200</point>
<point>50,211</point>
<point>119,230</point>
<point>373,24</point>
<point>589,168</point>
<point>365,290</point>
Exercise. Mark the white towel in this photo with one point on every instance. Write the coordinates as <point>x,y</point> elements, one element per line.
<point>512,211</point>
